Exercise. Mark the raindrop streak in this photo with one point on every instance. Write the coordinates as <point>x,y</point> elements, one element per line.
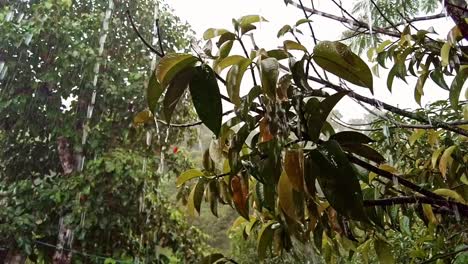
<point>102,42</point>
<point>370,22</point>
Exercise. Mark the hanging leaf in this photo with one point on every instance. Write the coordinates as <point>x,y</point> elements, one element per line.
<point>225,49</point>
<point>427,210</point>
<point>188,175</point>
<point>364,151</point>
<point>417,134</point>
<point>391,77</point>
<point>214,32</point>
<point>285,29</point>
<point>153,92</point>
<point>206,98</point>
<point>338,59</point>
<point>338,181</point>
<point>456,87</point>
<point>294,167</point>
<point>195,198</point>
<point>317,113</point>
<point>172,64</point>
<point>451,194</point>
<point>438,77</point>
<point>175,91</point>
<point>228,61</point>
<point>384,252</point>
<point>445,160</point>
<point>213,196</point>
<point>264,240</point>
<point>269,71</point>
<point>302,21</point>
<point>240,192</point>
<point>445,54</point>
<point>435,156</point>
<point>418,91</point>
<point>351,137</point>
<point>286,197</point>
<point>234,79</point>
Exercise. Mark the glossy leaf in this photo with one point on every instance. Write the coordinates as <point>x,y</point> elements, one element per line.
<point>456,87</point>
<point>175,91</point>
<point>338,181</point>
<point>294,167</point>
<point>228,61</point>
<point>153,92</point>
<point>206,98</point>
<point>351,137</point>
<point>240,194</point>
<point>338,59</point>
<point>196,197</point>
<point>171,65</point>
<point>264,240</point>
<point>234,79</point>
<point>188,175</point>
<point>292,45</point>
<point>364,151</point>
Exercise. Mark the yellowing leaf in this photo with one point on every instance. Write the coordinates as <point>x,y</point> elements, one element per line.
<point>285,195</point>
<point>213,32</point>
<point>417,134</point>
<point>435,156</point>
<point>294,167</point>
<point>445,160</point>
<point>171,65</point>
<point>427,210</point>
<point>450,193</point>
<point>384,252</point>
<point>264,239</point>
<point>445,53</point>
<point>188,175</point>
<point>142,117</point>
<point>292,45</point>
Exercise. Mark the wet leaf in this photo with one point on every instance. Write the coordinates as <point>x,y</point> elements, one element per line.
<point>269,71</point>
<point>195,198</point>
<point>351,137</point>
<point>364,151</point>
<point>175,91</point>
<point>292,45</point>
<point>234,79</point>
<point>228,61</point>
<point>171,65</point>
<point>338,181</point>
<point>384,252</point>
<point>445,160</point>
<point>188,175</point>
<point>240,194</point>
<point>206,98</point>
<point>451,194</point>
<point>294,167</point>
<point>153,92</point>
<point>264,240</point>
<point>456,87</point>
<point>338,59</point>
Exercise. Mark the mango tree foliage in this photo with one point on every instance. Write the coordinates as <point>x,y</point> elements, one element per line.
<point>292,179</point>
<point>49,52</point>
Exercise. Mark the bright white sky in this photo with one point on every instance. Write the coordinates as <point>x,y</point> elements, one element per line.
<point>203,14</point>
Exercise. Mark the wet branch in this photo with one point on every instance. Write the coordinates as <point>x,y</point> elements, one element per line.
<point>187,124</point>
<point>147,44</point>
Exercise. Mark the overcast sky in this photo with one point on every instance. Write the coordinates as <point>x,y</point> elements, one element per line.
<point>203,14</point>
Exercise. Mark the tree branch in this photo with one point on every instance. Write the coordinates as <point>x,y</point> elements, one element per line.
<point>417,200</point>
<point>147,44</point>
<point>188,124</point>
<point>417,19</point>
<point>352,22</point>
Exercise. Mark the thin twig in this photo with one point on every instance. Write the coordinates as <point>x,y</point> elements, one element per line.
<point>147,44</point>
<point>384,16</point>
<point>188,124</point>
<point>247,55</point>
<point>160,38</point>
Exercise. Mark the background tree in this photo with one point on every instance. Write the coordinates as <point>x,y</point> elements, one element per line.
<point>72,154</point>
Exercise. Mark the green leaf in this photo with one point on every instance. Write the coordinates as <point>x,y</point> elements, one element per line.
<point>250,19</point>
<point>298,74</point>
<point>338,181</point>
<point>153,92</point>
<point>338,59</point>
<point>264,239</point>
<point>391,77</point>
<point>435,157</point>
<point>214,32</point>
<point>196,197</point>
<point>247,28</point>
<point>364,151</point>
<point>207,98</point>
<point>175,90</point>
<point>225,49</point>
<point>420,85</point>
<point>234,79</point>
<point>278,54</point>
<point>445,54</point>
<point>405,225</point>
<point>188,175</point>
<point>172,64</point>
<point>384,252</point>
<point>444,160</point>
<point>438,77</point>
<point>302,21</point>
<point>269,71</point>
<point>228,61</point>
<point>417,134</point>
<point>292,45</point>
<point>317,113</point>
<point>456,87</point>
<point>351,137</point>
<point>285,29</point>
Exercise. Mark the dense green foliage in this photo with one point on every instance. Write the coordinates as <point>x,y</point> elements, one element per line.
<point>51,65</point>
